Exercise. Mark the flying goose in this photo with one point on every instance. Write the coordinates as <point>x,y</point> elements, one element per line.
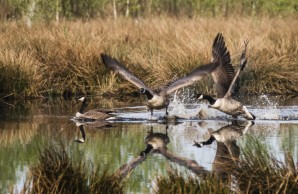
<point>224,78</point>
<point>159,99</point>
<point>96,114</point>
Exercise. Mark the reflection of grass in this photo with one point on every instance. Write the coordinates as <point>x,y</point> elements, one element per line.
<point>21,132</point>
<point>259,171</point>
<point>255,172</point>
<point>177,183</point>
<point>57,173</point>
<point>63,58</point>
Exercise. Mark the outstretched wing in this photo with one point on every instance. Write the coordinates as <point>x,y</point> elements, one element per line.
<point>224,73</point>
<point>220,57</point>
<point>243,61</point>
<point>123,71</point>
<point>196,75</point>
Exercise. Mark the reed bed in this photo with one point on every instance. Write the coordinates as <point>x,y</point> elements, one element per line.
<point>63,58</point>
<point>57,172</point>
<point>178,183</point>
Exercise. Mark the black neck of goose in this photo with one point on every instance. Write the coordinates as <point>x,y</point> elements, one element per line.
<point>148,94</point>
<point>209,98</point>
<point>209,141</point>
<point>147,150</point>
<point>83,106</point>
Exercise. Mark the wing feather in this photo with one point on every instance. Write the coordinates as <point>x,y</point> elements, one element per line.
<point>224,73</point>
<point>220,60</point>
<point>196,75</point>
<point>243,61</point>
<point>115,66</point>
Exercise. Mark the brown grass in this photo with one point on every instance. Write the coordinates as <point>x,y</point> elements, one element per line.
<point>63,58</point>
<point>57,172</point>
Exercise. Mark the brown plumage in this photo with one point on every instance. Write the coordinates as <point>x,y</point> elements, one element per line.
<point>96,114</point>
<point>160,99</point>
<point>224,78</point>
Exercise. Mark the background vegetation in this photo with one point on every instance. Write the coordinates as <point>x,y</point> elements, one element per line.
<point>52,47</point>
<point>70,9</point>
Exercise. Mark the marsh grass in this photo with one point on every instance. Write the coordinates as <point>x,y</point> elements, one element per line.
<point>56,172</point>
<point>63,59</point>
<point>257,171</point>
<point>177,183</point>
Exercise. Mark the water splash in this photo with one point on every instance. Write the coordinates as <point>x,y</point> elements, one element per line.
<point>267,102</point>
<point>179,108</point>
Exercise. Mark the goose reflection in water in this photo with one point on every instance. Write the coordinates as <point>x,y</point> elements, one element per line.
<point>83,135</point>
<point>227,150</point>
<point>95,124</point>
<point>157,143</point>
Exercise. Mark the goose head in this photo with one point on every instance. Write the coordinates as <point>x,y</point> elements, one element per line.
<point>147,93</point>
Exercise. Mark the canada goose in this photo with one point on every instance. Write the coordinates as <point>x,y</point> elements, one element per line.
<point>96,114</point>
<point>159,99</point>
<point>225,78</point>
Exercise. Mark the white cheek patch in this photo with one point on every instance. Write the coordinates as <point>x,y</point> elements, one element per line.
<point>217,103</point>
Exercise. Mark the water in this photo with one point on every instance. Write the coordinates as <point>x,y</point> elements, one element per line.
<point>27,126</point>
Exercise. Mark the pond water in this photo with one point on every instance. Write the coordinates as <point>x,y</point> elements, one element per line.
<point>27,126</point>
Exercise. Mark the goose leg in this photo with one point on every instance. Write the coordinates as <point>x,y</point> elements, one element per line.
<point>151,110</point>
<point>167,113</point>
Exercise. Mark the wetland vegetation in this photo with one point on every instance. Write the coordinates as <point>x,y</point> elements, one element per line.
<point>52,48</point>
<point>50,57</point>
<point>256,171</point>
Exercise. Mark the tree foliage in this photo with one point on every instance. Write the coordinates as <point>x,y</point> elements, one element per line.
<point>86,9</point>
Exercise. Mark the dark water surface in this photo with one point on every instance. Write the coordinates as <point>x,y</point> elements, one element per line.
<point>27,126</point>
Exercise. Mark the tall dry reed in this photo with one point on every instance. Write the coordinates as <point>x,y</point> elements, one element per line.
<point>51,58</point>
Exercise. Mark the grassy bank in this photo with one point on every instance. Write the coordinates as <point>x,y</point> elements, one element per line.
<point>63,59</point>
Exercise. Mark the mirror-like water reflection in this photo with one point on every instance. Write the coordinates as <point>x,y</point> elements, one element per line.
<point>27,127</point>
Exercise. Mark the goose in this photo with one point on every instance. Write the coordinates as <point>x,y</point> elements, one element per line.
<point>224,79</point>
<point>160,99</point>
<point>96,114</point>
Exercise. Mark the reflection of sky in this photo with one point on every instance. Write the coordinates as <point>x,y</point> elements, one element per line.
<point>21,174</point>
